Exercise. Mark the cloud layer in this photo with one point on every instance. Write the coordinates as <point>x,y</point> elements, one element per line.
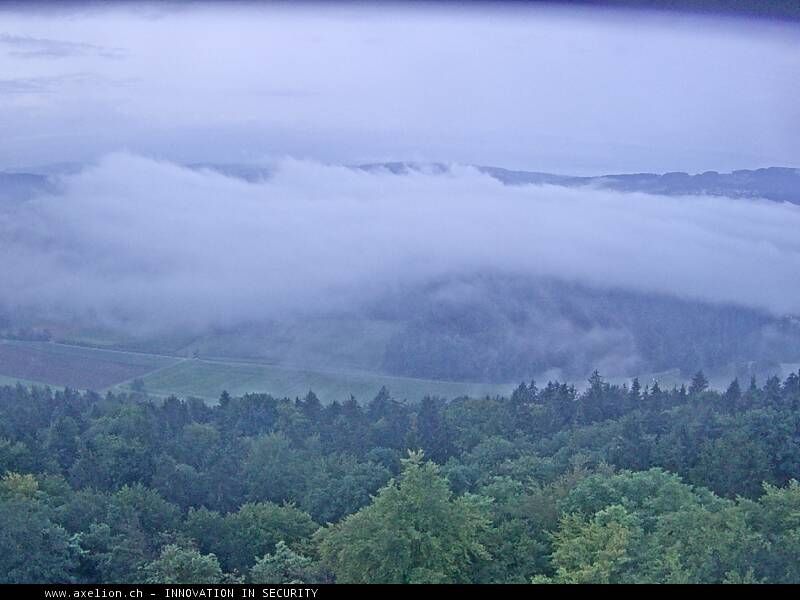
<point>23,46</point>
<point>557,89</point>
<point>151,244</point>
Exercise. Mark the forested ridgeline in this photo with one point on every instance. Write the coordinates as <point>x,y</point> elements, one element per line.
<point>611,484</point>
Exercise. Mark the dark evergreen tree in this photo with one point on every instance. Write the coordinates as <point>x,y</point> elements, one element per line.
<point>733,396</point>
<point>699,384</point>
<point>432,430</point>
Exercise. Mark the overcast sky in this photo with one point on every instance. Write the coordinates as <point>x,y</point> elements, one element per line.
<point>573,91</point>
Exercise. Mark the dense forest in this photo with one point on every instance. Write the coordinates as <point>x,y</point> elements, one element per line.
<point>495,327</point>
<point>611,484</point>
<point>487,327</point>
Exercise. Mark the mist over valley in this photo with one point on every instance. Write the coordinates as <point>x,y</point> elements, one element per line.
<point>433,271</point>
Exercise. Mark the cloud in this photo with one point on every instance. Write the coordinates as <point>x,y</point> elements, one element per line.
<point>60,84</point>
<point>137,241</point>
<point>46,84</point>
<point>23,46</point>
<point>565,90</point>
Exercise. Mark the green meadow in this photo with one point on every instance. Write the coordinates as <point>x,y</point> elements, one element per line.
<point>81,367</point>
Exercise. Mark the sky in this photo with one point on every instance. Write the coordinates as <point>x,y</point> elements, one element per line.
<point>578,91</point>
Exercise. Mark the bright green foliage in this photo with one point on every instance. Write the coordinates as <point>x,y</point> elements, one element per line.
<point>183,565</point>
<point>651,527</point>
<point>696,545</point>
<point>647,494</point>
<point>16,485</point>
<point>33,549</point>
<point>282,566</point>
<point>777,516</point>
<point>414,531</point>
<point>601,550</point>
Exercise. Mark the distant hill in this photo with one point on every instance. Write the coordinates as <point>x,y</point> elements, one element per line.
<point>250,173</point>
<point>781,184</point>
<point>17,187</point>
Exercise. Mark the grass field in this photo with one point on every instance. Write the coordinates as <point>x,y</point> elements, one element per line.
<point>99,369</point>
<point>208,379</point>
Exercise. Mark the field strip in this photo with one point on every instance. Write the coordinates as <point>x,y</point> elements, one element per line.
<point>341,372</point>
<point>100,349</point>
<point>74,366</point>
<point>88,349</point>
<point>229,361</point>
<point>127,382</point>
<point>87,367</point>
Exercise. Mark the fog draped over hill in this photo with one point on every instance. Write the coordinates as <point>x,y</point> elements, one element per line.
<point>138,243</point>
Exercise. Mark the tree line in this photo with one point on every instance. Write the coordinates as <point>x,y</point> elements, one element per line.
<point>614,483</point>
